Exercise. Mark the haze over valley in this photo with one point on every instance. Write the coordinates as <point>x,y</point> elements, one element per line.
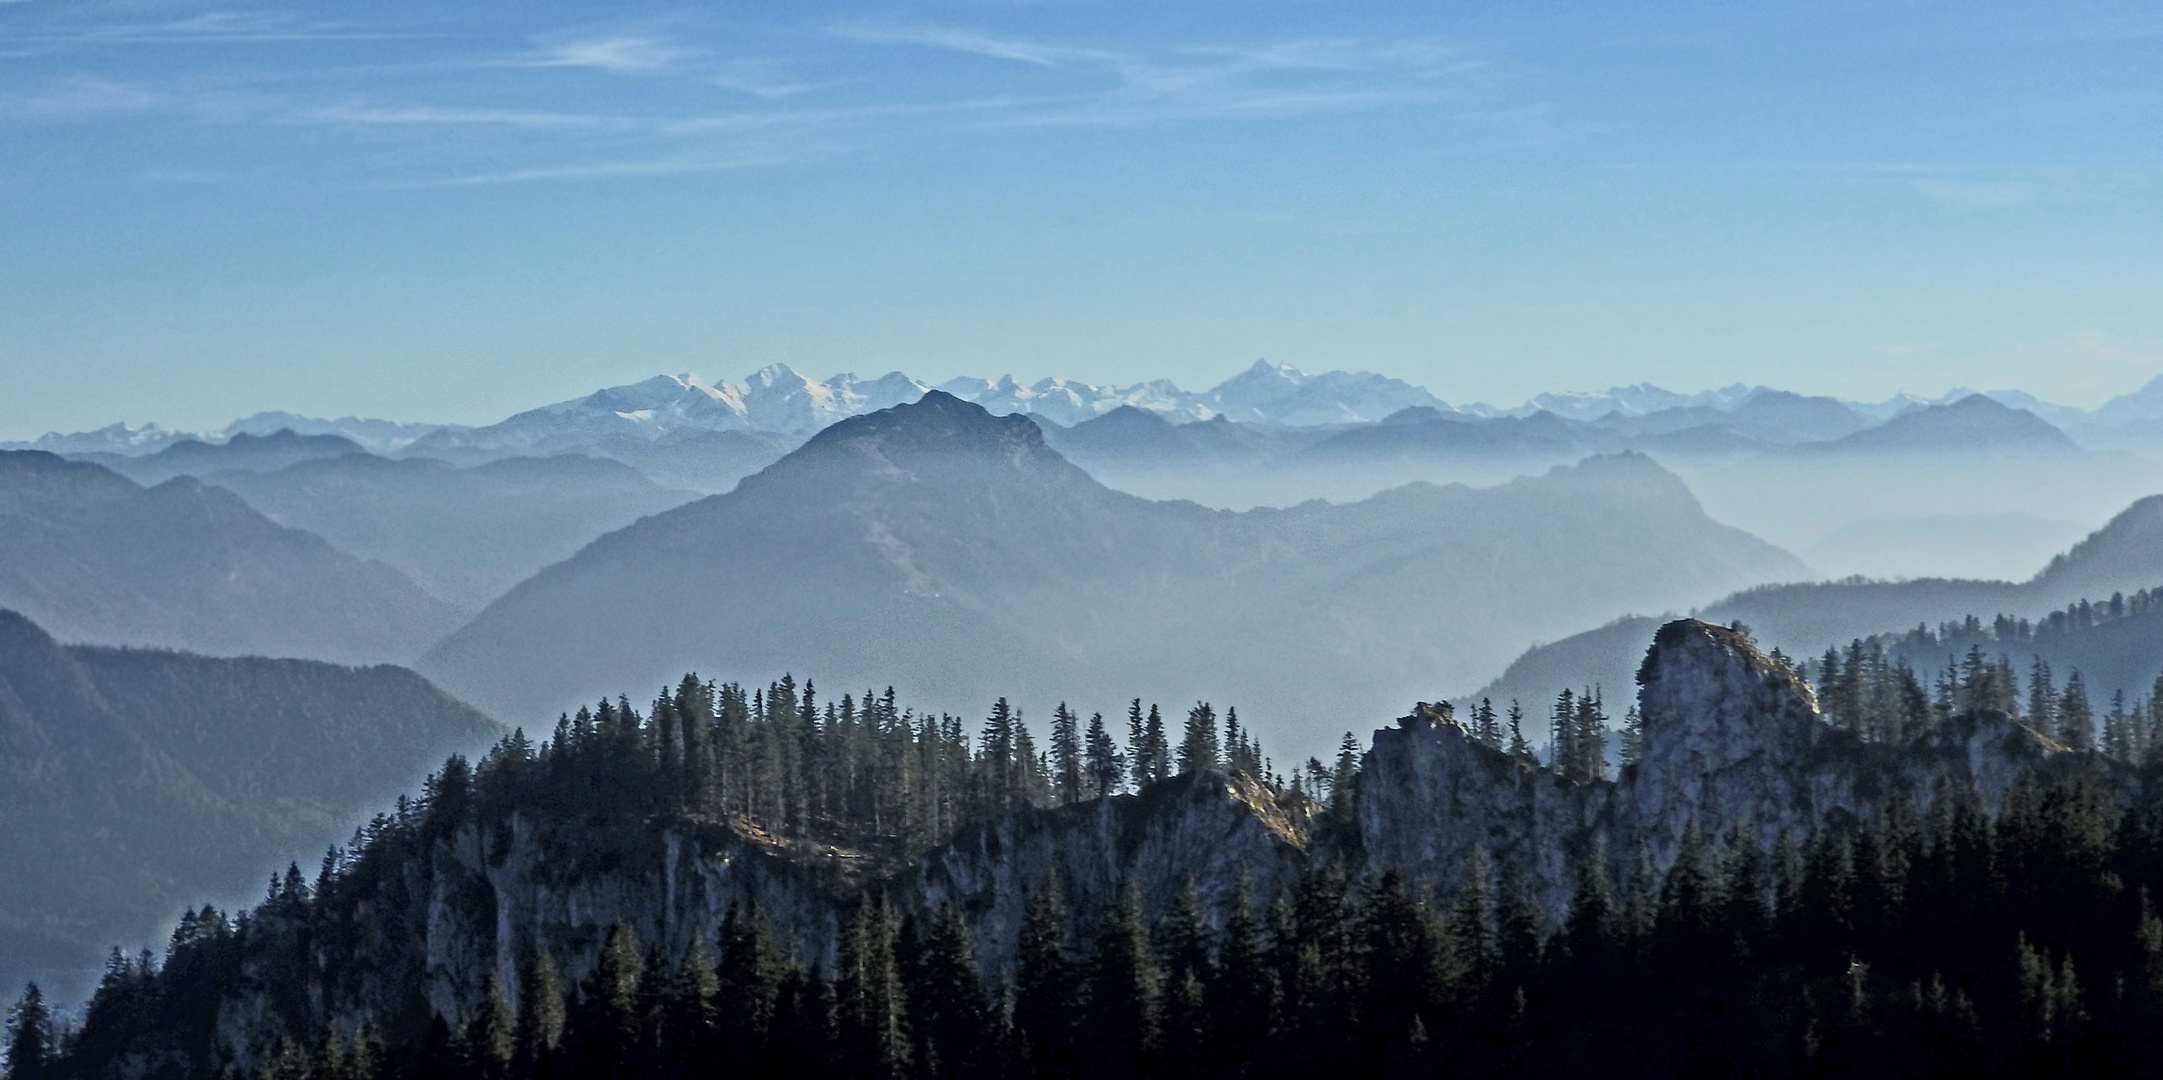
<point>1217,541</point>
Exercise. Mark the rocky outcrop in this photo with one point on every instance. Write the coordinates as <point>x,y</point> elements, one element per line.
<point>1733,745</point>
<point>485,898</point>
<point>1732,739</point>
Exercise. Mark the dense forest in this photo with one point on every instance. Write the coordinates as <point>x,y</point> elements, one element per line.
<point>1947,941</point>
<point>1877,687</point>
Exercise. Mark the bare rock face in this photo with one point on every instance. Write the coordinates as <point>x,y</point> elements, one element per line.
<point>482,900</point>
<point>1732,742</point>
<point>1207,826</point>
<point>1429,793</point>
<point>1729,739</point>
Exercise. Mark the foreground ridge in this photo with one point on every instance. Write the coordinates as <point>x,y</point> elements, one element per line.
<point>1758,893</point>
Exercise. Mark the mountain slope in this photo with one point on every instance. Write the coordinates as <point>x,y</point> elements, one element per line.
<point>136,781</point>
<point>93,556</point>
<point>1973,424</point>
<point>2124,556</point>
<point>939,541</point>
<point>465,535</point>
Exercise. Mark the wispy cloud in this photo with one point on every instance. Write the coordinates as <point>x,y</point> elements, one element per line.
<point>974,42</point>
<point>354,112</point>
<point>621,53</point>
<point>78,97</point>
<point>1137,84</point>
<point>767,79</point>
<point>524,116</point>
<point>217,27</point>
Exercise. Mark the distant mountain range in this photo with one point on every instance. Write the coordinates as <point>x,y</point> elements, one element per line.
<point>938,540</point>
<point>2125,556</point>
<point>94,556</point>
<point>134,782</point>
<point>779,401</point>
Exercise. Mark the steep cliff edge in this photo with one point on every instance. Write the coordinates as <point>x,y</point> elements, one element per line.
<point>1732,739</point>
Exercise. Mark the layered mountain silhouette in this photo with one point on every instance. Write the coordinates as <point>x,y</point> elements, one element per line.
<point>242,452</point>
<point>2124,556</point>
<point>94,556</point>
<point>134,782</point>
<point>939,540</point>
<point>1973,424</point>
<point>465,535</point>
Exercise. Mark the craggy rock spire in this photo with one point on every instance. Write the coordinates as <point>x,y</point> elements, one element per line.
<point>1728,736</point>
<point>1731,737</point>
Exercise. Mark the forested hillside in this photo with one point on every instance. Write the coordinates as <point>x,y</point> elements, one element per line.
<point>672,893</point>
<point>135,781</point>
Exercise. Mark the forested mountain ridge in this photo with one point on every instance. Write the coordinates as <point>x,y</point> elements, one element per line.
<point>133,781</point>
<point>938,540</point>
<point>2124,556</point>
<point>93,556</point>
<point>1759,892</point>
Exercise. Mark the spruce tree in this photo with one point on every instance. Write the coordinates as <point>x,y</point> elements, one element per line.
<point>1104,763</point>
<point>692,1010</point>
<point>1244,998</point>
<point>1119,1029</point>
<point>870,998</point>
<point>1137,746</point>
<point>2076,718</point>
<point>541,1014</point>
<point>1469,931</point>
<point>1198,747</point>
<point>1066,755</point>
<point>948,1018</point>
<point>490,1038</point>
<point>30,1036</point>
<point>1046,982</point>
<point>1519,748</point>
<point>605,1030</point>
<point>1156,749</point>
<point>1182,951</point>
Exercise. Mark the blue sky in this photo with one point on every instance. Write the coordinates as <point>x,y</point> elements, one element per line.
<point>451,211</point>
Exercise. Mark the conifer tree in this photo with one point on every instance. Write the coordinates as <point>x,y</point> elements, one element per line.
<point>30,1036</point>
<point>1182,951</point>
<point>1066,755</point>
<point>1519,748</point>
<point>1198,744</point>
<point>1123,987</point>
<point>541,1014</point>
<point>1469,931</point>
<point>870,998</point>
<point>2076,718</point>
<point>1138,758</point>
<point>1244,996</point>
<point>1045,982</point>
<point>1156,747</point>
<point>692,1010</point>
<point>605,1032</point>
<point>946,999</point>
<point>1486,725</point>
<point>1104,763</point>
<point>490,1039</point>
